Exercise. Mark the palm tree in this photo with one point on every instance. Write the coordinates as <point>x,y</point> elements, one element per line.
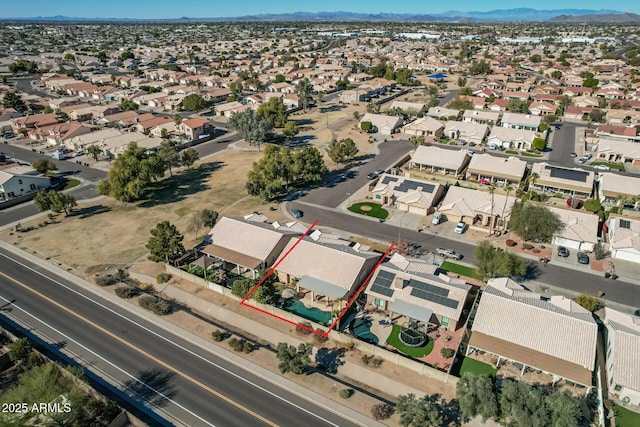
<point>508,189</point>
<point>531,181</point>
<point>94,151</point>
<point>492,190</point>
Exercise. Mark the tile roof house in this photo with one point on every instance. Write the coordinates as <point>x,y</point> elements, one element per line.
<point>419,291</point>
<point>384,124</point>
<point>612,186</point>
<point>425,126</point>
<point>248,243</point>
<point>408,195</point>
<point>553,335</point>
<point>519,139</point>
<point>623,357</point>
<point>624,238</point>
<point>487,117</point>
<point>441,112</point>
<point>618,151</point>
<point>326,265</point>
<point>195,127</point>
<point>479,209</point>
<point>439,160</point>
<point>624,133</point>
<point>501,171</point>
<point>466,131</point>
<point>565,181</point>
<point>520,121</point>
<point>579,231</point>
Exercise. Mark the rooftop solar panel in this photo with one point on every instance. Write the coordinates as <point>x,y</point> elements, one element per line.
<point>438,299</point>
<point>381,290</point>
<point>382,283</point>
<point>388,179</point>
<point>570,174</point>
<point>429,288</point>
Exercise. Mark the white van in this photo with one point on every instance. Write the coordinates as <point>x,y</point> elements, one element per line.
<point>437,218</point>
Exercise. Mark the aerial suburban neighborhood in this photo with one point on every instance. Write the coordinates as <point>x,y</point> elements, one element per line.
<point>416,218</point>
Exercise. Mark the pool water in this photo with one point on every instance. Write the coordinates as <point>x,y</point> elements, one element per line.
<point>361,328</point>
<point>314,314</point>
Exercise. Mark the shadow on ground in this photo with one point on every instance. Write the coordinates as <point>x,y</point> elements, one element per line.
<point>90,211</point>
<point>153,385</point>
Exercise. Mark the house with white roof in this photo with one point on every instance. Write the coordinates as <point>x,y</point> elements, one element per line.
<point>499,171</point>
<point>579,231</point>
<point>325,265</point>
<point>478,209</point>
<point>439,160</point>
<point>622,339</point>
<point>618,151</point>
<point>520,121</point>
<point>571,182</point>
<point>624,238</point>
<point>407,194</point>
<point>419,292</point>
<point>383,123</point>
<point>425,126</point>
<point>466,131</point>
<point>482,116</point>
<point>612,187</point>
<point>519,139</point>
<point>554,335</point>
<point>443,113</point>
<point>249,242</point>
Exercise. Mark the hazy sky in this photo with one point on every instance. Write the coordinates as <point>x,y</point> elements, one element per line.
<point>222,8</point>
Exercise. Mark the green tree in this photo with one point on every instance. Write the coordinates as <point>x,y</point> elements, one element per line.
<point>403,76</point>
<point>481,67</point>
<point>477,396</point>
<point>462,81</point>
<point>342,151</point>
<point>465,91</point>
<point>418,412</point>
<point>279,78</point>
<point>591,82</point>
<point>274,111</point>
<point>94,151</point>
<point>189,157</point>
<point>251,126</point>
<point>292,359</point>
<point>539,143</point>
<point>169,156</point>
<point>54,200</point>
<point>126,55</point>
<point>290,129</point>
<point>241,287</point>
<point>564,409</point>
<point>101,56</point>
<point>308,165</point>
<point>165,243</point>
<point>494,263</point>
<point>305,92</point>
<point>19,350</point>
<point>589,302</point>
<point>209,217</point>
<point>193,102</point>
<point>556,74</point>
<point>128,176</point>
<point>266,293</point>
<point>523,405</point>
<point>597,115</point>
<point>342,84</point>
<point>13,100</point>
<point>128,105</point>
<point>518,106</point>
<point>43,166</point>
<point>592,205</point>
<point>531,221</point>
<point>366,126</point>
<point>535,58</point>
<point>416,140</point>
<point>460,103</point>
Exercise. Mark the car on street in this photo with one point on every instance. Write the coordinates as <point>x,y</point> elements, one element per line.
<point>296,213</point>
<point>378,171</point>
<point>460,228</point>
<point>583,258</point>
<point>574,154</point>
<point>448,253</point>
<point>587,156</point>
<point>637,313</point>
<point>563,252</point>
<point>582,160</point>
<point>602,167</point>
<point>371,175</point>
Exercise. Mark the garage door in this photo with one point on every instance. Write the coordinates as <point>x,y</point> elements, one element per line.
<point>571,244</point>
<point>417,210</point>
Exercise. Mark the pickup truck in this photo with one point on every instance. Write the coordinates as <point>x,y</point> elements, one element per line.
<point>448,253</point>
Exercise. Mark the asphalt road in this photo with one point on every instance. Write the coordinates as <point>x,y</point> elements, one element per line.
<point>554,275</point>
<point>562,144</point>
<point>197,387</point>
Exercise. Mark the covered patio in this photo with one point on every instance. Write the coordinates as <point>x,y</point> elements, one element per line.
<point>239,260</point>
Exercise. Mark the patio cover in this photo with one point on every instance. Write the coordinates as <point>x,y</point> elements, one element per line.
<point>204,262</point>
<point>232,256</point>
<point>411,311</point>
<point>322,287</point>
<point>532,358</point>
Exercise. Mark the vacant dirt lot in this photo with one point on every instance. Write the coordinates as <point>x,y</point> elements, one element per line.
<point>110,232</point>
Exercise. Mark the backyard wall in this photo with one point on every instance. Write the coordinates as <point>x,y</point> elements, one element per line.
<point>379,352</point>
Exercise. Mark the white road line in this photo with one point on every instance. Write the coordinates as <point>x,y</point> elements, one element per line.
<point>159,393</point>
<point>189,351</point>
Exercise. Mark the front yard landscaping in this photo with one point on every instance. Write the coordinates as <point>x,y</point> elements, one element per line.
<point>614,166</point>
<point>369,209</point>
<point>460,269</point>
<point>415,352</point>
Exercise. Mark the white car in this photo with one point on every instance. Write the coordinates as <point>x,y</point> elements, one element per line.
<point>460,228</point>
<point>601,167</point>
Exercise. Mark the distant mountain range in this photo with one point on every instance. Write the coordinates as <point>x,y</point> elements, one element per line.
<point>500,15</point>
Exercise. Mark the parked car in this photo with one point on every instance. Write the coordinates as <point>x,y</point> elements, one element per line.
<point>582,160</point>
<point>587,156</point>
<point>437,218</point>
<point>460,228</point>
<point>574,154</point>
<point>563,252</point>
<point>296,213</point>
<point>583,258</point>
<point>601,167</point>
<point>448,253</point>
<point>378,171</point>
<point>371,175</point>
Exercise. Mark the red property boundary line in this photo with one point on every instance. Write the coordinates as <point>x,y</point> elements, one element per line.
<point>298,325</point>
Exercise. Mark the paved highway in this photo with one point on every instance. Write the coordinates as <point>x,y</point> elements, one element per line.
<point>190,384</point>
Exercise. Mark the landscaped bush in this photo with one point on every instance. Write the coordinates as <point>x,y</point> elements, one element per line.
<point>218,335</point>
<point>247,347</point>
<point>241,345</point>
<point>300,330</point>
<point>320,338</point>
<point>155,305</point>
<point>106,280</point>
<point>345,393</point>
<point>371,361</point>
<point>381,411</point>
<point>447,353</point>
<point>527,246</point>
<point>511,243</point>
<point>126,292</point>
<point>163,277</point>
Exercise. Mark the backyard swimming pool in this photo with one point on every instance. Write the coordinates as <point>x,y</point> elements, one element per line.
<point>361,328</point>
<point>310,313</point>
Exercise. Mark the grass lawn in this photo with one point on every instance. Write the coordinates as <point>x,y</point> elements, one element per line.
<point>370,209</point>
<point>614,166</point>
<point>416,352</point>
<point>71,183</point>
<point>531,154</point>
<point>476,367</point>
<point>511,152</point>
<point>625,417</point>
<point>460,269</point>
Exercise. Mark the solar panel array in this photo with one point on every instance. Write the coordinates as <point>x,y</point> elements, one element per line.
<point>382,284</point>
<point>570,174</point>
<point>432,293</point>
<point>388,179</point>
<point>413,185</point>
<point>625,224</point>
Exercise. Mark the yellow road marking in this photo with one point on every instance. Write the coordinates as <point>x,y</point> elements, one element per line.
<point>142,352</point>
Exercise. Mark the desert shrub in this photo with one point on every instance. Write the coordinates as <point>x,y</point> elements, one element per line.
<point>218,335</point>
<point>366,359</point>
<point>19,350</point>
<point>319,337</point>
<point>145,286</point>
<point>371,361</point>
<point>247,347</point>
<point>301,329</point>
<point>447,353</point>
<point>536,250</point>
<point>527,246</point>
<point>511,243</point>
<point>240,345</point>
<point>381,411</point>
<point>156,305</point>
<point>163,277</point>
<point>345,393</point>
<point>349,345</point>
<point>105,280</point>
<point>126,292</point>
